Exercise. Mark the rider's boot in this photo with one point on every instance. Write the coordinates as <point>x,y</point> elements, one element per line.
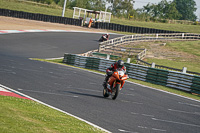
<point>105,83</point>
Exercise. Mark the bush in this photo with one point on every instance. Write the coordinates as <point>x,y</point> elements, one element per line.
<point>196,23</point>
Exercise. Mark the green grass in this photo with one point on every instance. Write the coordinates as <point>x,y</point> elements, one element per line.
<point>26,116</point>
<point>57,11</point>
<point>192,48</point>
<point>159,87</point>
<point>162,26</point>
<point>191,66</point>
<point>34,8</point>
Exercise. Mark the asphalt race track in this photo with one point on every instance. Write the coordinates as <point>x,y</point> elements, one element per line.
<point>137,109</point>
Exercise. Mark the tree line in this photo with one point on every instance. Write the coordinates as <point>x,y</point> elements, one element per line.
<point>164,10</point>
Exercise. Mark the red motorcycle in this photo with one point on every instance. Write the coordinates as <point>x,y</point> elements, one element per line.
<point>104,38</point>
<point>115,84</point>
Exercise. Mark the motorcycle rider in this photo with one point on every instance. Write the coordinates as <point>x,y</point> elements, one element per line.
<point>106,36</point>
<point>119,65</point>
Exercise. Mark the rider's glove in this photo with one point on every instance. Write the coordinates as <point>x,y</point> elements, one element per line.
<point>110,72</point>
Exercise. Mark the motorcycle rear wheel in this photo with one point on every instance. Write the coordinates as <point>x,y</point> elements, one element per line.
<point>115,91</point>
<point>105,92</point>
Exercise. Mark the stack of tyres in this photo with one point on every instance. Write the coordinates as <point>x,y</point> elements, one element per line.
<point>1,12</point>
<point>122,28</point>
<point>136,71</point>
<point>157,76</point>
<point>118,27</point>
<point>110,26</point>
<point>115,27</point>
<point>195,87</point>
<point>126,28</point>
<point>97,25</point>
<point>144,30</point>
<point>21,14</point>
<point>92,63</point>
<point>133,29</point>
<point>107,25</point>
<point>66,20</point>
<point>130,29</point>
<point>69,59</point>
<point>103,26</point>
<point>82,61</point>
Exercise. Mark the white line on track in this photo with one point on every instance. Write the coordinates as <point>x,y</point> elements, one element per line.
<point>194,105</point>
<point>125,131</point>
<point>180,111</point>
<point>146,115</point>
<point>175,122</point>
<point>7,88</point>
<point>33,31</point>
<point>161,130</point>
<point>130,102</point>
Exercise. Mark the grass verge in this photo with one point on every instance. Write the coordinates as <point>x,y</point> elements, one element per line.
<point>159,87</point>
<point>26,116</point>
<point>188,55</point>
<point>162,26</point>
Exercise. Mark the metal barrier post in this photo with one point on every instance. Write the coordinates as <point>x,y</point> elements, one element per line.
<point>184,69</point>
<point>108,57</point>
<point>153,65</point>
<point>182,35</point>
<point>128,60</point>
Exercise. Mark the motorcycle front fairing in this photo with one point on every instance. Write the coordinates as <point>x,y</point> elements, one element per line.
<point>119,77</point>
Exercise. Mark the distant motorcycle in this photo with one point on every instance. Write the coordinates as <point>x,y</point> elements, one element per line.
<point>104,38</point>
<point>115,84</point>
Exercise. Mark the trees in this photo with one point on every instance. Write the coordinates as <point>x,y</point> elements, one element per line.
<point>163,10</point>
<point>98,5</point>
<point>87,4</point>
<point>121,7</point>
<point>186,8</point>
<point>177,9</point>
<point>171,12</point>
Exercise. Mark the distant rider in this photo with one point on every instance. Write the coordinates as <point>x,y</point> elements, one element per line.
<point>119,65</point>
<point>106,37</point>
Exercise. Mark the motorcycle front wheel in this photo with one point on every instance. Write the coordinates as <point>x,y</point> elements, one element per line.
<point>115,91</point>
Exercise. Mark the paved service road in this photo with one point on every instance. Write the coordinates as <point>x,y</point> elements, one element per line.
<point>137,109</point>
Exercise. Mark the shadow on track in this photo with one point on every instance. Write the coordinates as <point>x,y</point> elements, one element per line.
<point>84,94</point>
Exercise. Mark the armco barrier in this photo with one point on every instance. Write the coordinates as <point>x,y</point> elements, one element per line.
<point>177,80</point>
<point>40,17</point>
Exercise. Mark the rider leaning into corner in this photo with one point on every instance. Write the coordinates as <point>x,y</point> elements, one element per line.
<point>105,36</point>
<point>119,65</point>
